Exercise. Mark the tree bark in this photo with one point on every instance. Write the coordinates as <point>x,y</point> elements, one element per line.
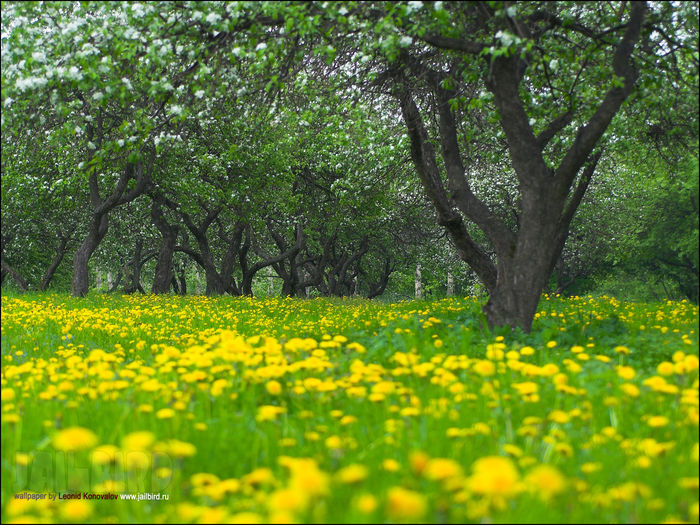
<point>525,258</point>
<point>378,288</point>
<point>164,267</point>
<point>60,253</point>
<point>81,258</point>
<point>183,277</point>
<point>100,210</point>
<point>419,283</point>
<point>9,270</point>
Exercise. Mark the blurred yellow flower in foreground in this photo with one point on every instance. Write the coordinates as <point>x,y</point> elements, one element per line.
<point>403,504</point>
<point>74,439</point>
<point>495,476</point>
<point>545,481</point>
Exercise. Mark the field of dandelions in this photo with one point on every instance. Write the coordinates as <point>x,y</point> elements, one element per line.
<point>242,410</point>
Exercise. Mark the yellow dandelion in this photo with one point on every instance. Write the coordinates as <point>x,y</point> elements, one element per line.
<point>165,413</point>
<point>441,469</point>
<point>403,504</point>
<point>352,474</point>
<point>657,421</point>
<point>273,388</point>
<point>366,504</point>
<point>105,454</point>
<point>494,476</point>
<point>74,439</point>
<point>140,440</point>
<point>545,481</point>
<point>75,510</point>
<point>391,465</point>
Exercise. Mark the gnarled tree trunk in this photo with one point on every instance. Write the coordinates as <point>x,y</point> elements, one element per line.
<point>164,267</point>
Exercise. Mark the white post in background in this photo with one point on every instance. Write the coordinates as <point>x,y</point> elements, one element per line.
<point>109,281</point>
<point>450,284</point>
<point>98,279</point>
<point>357,285</point>
<point>198,287</point>
<point>271,281</point>
<point>419,285</point>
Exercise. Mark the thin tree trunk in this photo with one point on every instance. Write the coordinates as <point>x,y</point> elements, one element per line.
<point>51,270</point>
<point>450,284</point>
<point>419,284</point>
<point>183,277</point>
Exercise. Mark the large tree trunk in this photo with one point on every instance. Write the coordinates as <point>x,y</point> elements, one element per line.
<point>215,284</point>
<point>101,208</point>
<point>521,279</point>
<point>526,257</point>
<point>81,259</point>
<point>164,267</point>
<point>378,288</point>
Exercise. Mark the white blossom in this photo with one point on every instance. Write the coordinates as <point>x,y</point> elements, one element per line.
<point>261,45</point>
<point>74,73</point>
<point>30,83</point>
<point>137,9</point>
<point>414,5</point>
<point>39,56</point>
<point>213,18</point>
<point>406,41</point>
<point>199,94</point>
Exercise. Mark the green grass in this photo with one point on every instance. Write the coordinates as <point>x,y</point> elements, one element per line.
<point>481,425</point>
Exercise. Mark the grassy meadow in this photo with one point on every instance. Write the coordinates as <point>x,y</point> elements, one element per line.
<point>243,410</point>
